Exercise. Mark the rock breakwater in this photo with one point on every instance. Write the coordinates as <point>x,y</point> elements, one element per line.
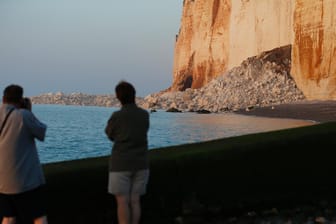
<point>80,99</point>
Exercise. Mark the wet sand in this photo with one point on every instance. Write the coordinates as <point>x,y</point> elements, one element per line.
<point>319,111</point>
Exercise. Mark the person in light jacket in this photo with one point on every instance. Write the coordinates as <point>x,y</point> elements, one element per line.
<point>129,164</point>
<point>21,176</point>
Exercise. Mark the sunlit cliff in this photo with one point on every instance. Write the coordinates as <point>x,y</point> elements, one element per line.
<point>217,35</point>
<point>314,48</point>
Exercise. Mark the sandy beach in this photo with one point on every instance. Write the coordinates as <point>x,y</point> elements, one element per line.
<point>319,111</point>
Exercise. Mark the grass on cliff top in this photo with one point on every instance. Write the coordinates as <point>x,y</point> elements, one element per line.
<point>280,167</point>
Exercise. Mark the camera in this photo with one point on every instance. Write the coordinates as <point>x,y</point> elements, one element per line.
<point>26,103</point>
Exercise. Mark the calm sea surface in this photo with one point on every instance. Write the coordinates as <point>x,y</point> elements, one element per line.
<point>76,132</point>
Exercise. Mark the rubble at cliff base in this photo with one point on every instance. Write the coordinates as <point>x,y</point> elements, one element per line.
<point>259,81</point>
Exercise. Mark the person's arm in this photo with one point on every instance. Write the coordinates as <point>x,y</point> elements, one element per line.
<point>37,128</point>
<point>148,121</point>
<point>110,127</point>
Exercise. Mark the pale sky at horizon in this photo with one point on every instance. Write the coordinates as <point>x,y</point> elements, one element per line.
<point>87,45</point>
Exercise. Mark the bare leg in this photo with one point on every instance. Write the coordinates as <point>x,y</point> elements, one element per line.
<point>12,220</point>
<point>41,220</point>
<point>123,209</point>
<point>8,220</point>
<point>135,208</point>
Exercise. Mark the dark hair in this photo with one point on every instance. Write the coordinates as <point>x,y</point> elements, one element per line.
<point>13,94</point>
<point>125,92</point>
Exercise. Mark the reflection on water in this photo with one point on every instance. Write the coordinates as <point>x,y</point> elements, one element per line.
<point>76,132</point>
<point>177,128</point>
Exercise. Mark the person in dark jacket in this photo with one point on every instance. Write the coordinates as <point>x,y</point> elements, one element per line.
<point>128,165</point>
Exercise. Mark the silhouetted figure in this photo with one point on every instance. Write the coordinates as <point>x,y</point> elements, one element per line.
<point>129,164</point>
<point>21,174</point>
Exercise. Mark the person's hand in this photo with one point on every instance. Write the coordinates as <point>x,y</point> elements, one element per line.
<point>26,104</point>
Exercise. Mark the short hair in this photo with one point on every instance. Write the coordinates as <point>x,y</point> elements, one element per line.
<point>125,92</point>
<point>13,94</point>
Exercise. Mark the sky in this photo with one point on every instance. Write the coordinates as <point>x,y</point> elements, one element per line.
<point>87,46</point>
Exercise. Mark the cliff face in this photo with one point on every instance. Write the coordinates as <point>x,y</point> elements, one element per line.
<point>314,48</point>
<point>202,44</point>
<point>258,26</point>
<point>217,35</point>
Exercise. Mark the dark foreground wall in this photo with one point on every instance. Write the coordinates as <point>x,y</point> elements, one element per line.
<point>278,168</point>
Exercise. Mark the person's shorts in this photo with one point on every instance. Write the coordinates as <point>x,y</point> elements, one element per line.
<point>127,182</point>
<point>28,205</point>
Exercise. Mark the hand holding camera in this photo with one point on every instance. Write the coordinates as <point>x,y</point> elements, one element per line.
<point>26,103</point>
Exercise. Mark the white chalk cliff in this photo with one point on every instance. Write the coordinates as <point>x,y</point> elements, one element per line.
<point>217,35</point>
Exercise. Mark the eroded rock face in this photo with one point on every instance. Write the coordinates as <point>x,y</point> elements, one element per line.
<point>201,48</point>
<point>314,48</point>
<point>257,26</point>
<point>217,35</point>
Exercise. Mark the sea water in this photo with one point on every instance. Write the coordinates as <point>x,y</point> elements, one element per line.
<point>76,132</point>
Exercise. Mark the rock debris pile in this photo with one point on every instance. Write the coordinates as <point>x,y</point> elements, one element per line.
<point>259,81</point>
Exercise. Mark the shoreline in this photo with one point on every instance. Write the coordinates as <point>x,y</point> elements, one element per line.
<point>312,110</point>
